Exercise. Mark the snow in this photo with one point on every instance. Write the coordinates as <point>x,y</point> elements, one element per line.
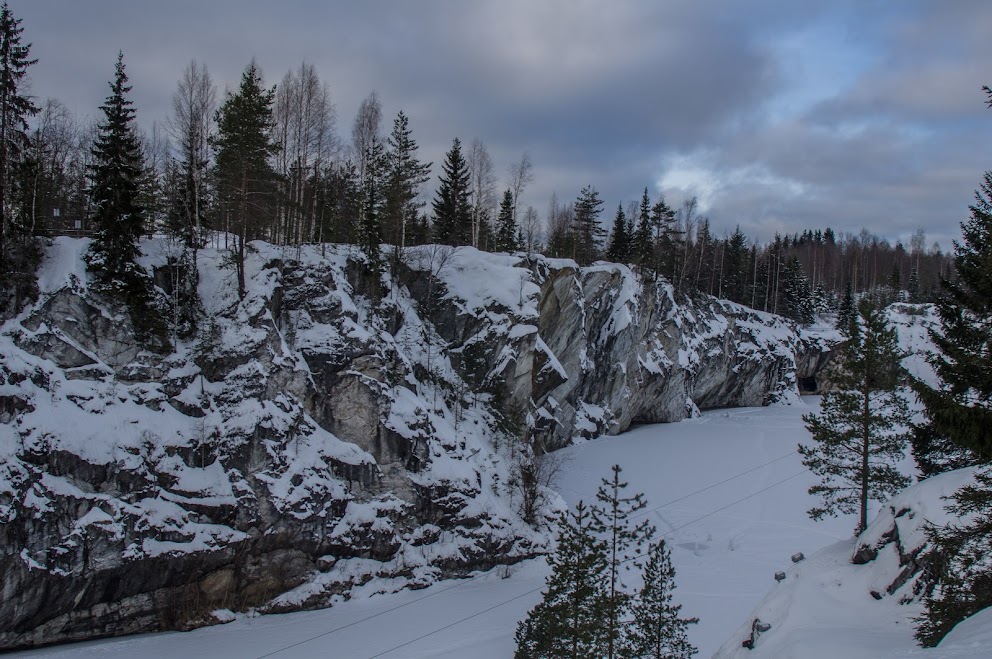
<point>824,607</point>
<point>727,488</point>
<point>63,265</point>
<point>728,491</point>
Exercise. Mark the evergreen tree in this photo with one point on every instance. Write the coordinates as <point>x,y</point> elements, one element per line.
<point>370,231</point>
<point>959,559</point>
<point>244,175</point>
<point>848,313</point>
<point>959,415</point>
<point>862,429</point>
<point>643,246</point>
<point>613,516</point>
<point>506,232</point>
<point>567,622</point>
<point>119,218</point>
<point>404,176</point>
<point>619,249</point>
<point>913,287</point>
<point>452,208</point>
<point>587,230</point>
<point>962,408</point>
<point>15,109</point>
<point>797,298</point>
<point>657,631</point>
<point>667,240</point>
<point>736,267</point>
<point>116,176</point>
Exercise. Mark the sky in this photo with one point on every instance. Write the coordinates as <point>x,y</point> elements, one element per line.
<point>777,115</point>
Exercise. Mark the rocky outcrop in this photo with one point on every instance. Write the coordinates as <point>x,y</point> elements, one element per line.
<point>328,428</point>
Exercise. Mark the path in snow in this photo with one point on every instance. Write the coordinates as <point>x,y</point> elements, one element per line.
<point>728,537</point>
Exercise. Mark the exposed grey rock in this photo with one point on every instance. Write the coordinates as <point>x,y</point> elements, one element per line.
<point>329,428</point>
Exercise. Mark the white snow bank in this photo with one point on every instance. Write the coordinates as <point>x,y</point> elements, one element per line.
<point>828,607</point>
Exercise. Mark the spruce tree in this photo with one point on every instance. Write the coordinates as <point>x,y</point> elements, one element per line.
<point>452,209</point>
<point>959,416</point>
<point>405,174</point>
<point>587,229</point>
<point>958,559</point>
<point>797,298</point>
<point>667,241</point>
<point>736,267</point>
<point>370,230</point>
<point>119,216</point>
<point>643,245</point>
<point>848,312</point>
<point>116,177</point>
<point>567,622</point>
<point>613,516</point>
<point>619,249</point>
<point>244,176</point>
<point>15,109</point>
<point>506,230</point>
<point>862,429</point>
<point>657,631</point>
<point>913,287</point>
<point>962,408</point>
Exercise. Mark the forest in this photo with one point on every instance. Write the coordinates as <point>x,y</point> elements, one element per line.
<point>268,162</point>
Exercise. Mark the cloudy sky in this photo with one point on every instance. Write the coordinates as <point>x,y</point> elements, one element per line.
<point>778,115</point>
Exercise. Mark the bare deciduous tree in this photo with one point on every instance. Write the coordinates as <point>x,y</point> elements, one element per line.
<point>521,175</point>
<point>366,128</point>
<point>305,120</point>
<point>193,106</point>
<point>482,186</point>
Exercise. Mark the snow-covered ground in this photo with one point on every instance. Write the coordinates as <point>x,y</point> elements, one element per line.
<point>728,491</point>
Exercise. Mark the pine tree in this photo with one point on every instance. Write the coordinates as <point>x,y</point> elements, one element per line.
<point>619,249</point>
<point>587,229</point>
<point>404,176</point>
<point>862,429</point>
<point>506,230</point>
<point>613,516</point>
<point>15,108</point>
<point>657,631</point>
<point>245,178</point>
<point>567,622</point>
<point>452,209</point>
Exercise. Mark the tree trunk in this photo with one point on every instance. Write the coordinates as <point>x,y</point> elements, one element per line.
<point>865,442</point>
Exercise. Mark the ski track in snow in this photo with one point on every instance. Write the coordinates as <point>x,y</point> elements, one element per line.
<point>724,562</point>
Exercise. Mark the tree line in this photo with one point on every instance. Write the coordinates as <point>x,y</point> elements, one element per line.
<point>267,162</point>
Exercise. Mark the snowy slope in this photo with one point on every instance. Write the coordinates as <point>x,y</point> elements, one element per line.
<point>732,497</point>
<point>732,500</point>
<point>830,606</point>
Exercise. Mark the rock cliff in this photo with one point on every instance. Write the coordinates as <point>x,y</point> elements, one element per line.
<point>330,428</point>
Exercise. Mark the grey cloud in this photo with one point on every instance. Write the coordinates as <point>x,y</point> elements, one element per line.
<point>598,92</point>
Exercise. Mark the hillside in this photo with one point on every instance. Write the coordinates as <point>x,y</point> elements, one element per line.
<point>329,429</point>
